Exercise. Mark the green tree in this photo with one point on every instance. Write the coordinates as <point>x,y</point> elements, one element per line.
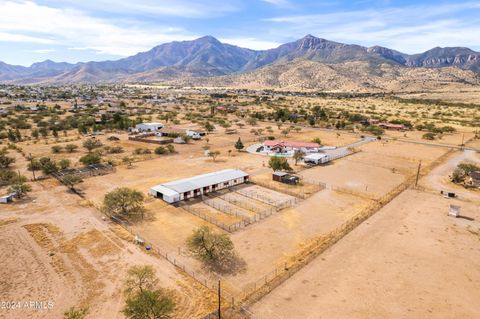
<point>19,186</point>
<point>317,140</point>
<point>213,249</point>
<point>239,145</point>
<point>35,133</point>
<point>47,165</point>
<point>90,159</point>
<point>209,127</point>
<point>71,148</point>
<point>92,144</point>
<point>214,154</point>
<point>64,163</point>
<point>124,202</point>
<point>298,156</point>
<point>5,161</point>
<point>171,148</point>
<point>149,305</point>
<point>74,313</point>
<point>160,150</point>
<point>71,180</point>
<point>279,164</point>
<point>139,279</point>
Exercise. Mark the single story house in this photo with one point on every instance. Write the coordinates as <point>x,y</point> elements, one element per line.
<point>148,127</point>
<point>278,146</point>
<point>316,158</point>
<point>182,189</point>
<point>394,127</point>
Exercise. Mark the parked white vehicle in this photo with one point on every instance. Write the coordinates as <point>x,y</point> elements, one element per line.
<point>316,158</point>
<point>193,134</point>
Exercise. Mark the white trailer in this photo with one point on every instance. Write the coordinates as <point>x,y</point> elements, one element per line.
<point>148,127</point>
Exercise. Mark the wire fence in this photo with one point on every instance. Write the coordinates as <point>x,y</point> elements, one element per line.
<point>277,276</point>
<point>228,297</point>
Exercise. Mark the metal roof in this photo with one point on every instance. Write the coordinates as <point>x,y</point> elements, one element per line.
<point>164,190</point>
<point>315,156</point>
<point>200,181</point>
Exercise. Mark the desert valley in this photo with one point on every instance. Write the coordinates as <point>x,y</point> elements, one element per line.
<point>202,180</point>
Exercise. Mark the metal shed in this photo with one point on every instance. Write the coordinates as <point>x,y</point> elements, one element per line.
<point>182,189</point>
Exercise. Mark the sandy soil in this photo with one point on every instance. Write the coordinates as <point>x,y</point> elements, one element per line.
<point>408,260</point>
<point>54,248</point>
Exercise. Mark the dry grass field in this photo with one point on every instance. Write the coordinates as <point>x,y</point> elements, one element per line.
<point>408,260</point>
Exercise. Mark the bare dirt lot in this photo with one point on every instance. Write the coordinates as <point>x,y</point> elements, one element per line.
<point>408,260</point>
<point>54,249</point>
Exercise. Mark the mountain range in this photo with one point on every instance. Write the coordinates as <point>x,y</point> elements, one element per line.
<point>208,60</point>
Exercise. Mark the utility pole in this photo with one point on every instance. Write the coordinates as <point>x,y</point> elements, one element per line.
<point>219,302</point>
<point>463,139</point>
<point>32,166</point>
<point>418,173</point>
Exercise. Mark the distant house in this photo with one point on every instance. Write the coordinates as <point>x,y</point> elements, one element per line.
<point>149,127</point>
<point>393,127</point>
<point>278,146</point>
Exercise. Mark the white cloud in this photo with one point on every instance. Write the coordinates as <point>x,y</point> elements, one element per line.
<point>29,22</point>
<point>409,29</point>
<point>277,2</point>
<point>251,43</point>
<point>42,51</point>
<point>177,8</point>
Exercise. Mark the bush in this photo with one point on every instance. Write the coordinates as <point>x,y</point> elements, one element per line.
<point>429,136</point>
<point>56,149</point>
<point>90,159</point>
<point>115,150</point>
<point>160,150</point>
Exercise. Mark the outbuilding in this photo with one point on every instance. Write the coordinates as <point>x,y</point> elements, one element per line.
<point>285,178</point>
<point>148,127</point>
<point>182,189</point>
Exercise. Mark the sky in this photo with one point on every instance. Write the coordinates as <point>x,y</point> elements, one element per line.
<point>74,31</point>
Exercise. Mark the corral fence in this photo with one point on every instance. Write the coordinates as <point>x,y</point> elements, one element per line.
<point>274,278</point>
<point>229,208</point>
<point>84,172</point>
<point>228,297</point>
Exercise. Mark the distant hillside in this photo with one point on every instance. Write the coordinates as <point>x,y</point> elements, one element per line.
<point>207,57</point>
<point>357,76</point>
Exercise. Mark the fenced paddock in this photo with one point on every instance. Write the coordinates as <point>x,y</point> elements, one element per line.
<point>239,207</point>
<point>303,190</point>
<point>84,172</point>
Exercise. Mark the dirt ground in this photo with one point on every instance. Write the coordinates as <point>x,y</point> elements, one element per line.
<point>408,260</point>
<point>55,249</point>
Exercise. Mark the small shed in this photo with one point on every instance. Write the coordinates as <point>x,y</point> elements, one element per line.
<point>285,178</point>
<point>7,198</point>
<point>277,176</point>
<point>454,211</point>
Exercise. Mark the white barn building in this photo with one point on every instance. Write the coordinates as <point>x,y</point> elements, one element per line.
<point>148,127</point>
<point>182,189</point>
